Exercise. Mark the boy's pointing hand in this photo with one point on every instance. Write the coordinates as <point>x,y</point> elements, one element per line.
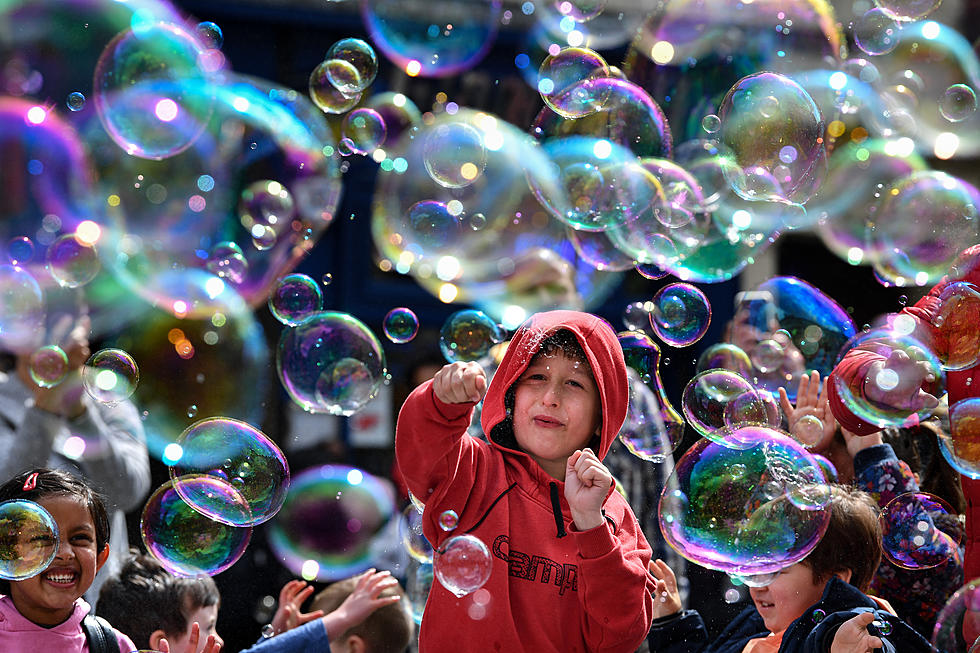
<point>460,383</point>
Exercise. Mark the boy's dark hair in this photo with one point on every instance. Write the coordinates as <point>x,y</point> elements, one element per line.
<point>145,597</point>
<point>386,630</point>
<point>39,483</point>
<point>852,541</point>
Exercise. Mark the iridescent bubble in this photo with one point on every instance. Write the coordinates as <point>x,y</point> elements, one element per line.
<point>211,35</point>
<point>711,123</point>
<point>636,315</point>
<point>153,89</point>
<point>876,32</point>
<point>399,113</point>
<point>20,250</point>
<point>408,34</point>
<point>448,520</point>
<point>818,615</point>
<point>681,314</point>
<point>346,147</point>
<point>266,210</point>
<point>829,471</point>
<point>958,103</point>
<point>730,508</point>
<point>920,225</point>
<point>332,521</point>
<point>908,10</point>
<point>651,271</point>
<point>21,309</point>
<point>959,307</point>
<point>365,128</point>
<point>462,564</point>
<point>808,430</point>
<point>959,619</point>
<point>706,398</point>
<point>322,91</point>
<point>454,154</point>
<point>751,409</point>
<point>596,249</point>
<point>418,584</point>
<point>75,101</point>
<point>911,537</point>
<point>580,10</point>
<point>110,376</point>
<point>48,366</point>
<point>469,335</point>
<point>961,447</point>
<point>732,595</point>
<point>185,541</point>
<point>241,457</point>
<point>725,356</point>
<point>360,58</point>
<point>400,325</point>
<point>330,363</point>
<point>891,394</point>
<point>294,297</point>
<point>72,262</point>
<point>28,539</point>
<point>227,260</point>
<point>565,81</point>
<point>682,193</point>
<point>645,433</point>
<point>411,535</point>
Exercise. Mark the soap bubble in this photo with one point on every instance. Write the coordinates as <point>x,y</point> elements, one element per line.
<point>399,113</point>
<point>433,226</point>
<point>706,399</point>
<point>29,539</point>
<point>365,128</point>
<point>294,297</point>
<point>110,376</point>
<point>71,262</point>
<point>961,446</point>
<point>565,81</point>
<point>400,325</point>
<point>333,516</point>
<point>580,10</point>
<point>730,508</point>
<point>725,356</point>
<point>681,314</point>
<point>185,541</point>
<point>645,433</point>
<point>48,366</point>
<point>418,584</point>
<point>955,320</point>
<point>330,363</point>
<point>361,61</point>
<point>227,260</point>
<point>266,209</point>
<point>908,10</point>
<point>958,103</point>
<point>454,154</point>
<point>240,456</point>
<point>469,335</point>
<point>462,564</point>
<point>448,520</point>
<point>20,250</point>
<point>211,35</point>
<point>711,123</point>
<point>322,91</point>
<point>411,535</point>
<point>75,101</point>
<point>876,32</point>
<point>809,431</point>
<point>636,315</point>
<point>910,536</point>
<point>958,623</point>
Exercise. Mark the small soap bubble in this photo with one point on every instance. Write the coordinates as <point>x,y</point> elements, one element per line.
<point>565,81</point>
<point>110,376</point>
<point>20,250</point>
<point>48,366</point>
<point>227,260</point>
<point>211,34</point>
<point>360,69</point>
<point>266,209</point>
<point>326,279</point>
<point>808,430</point>
<point>401,325</point>
<point>364,129</point>
<point>876,32</point>
<point>28,539</point>
<point>71,262</point>
<point>433,224</point>
<point>681,314</point>
<point>651,271</point>
<point>324,94</point>
<point>75,101</point>
<point>883,627</point>
<point>412,538</point>
<point>462,564</point>
<point>732,595</point>
<point>448,520</point>
<point>192,411</point>
<point>454,154</point>
<point>469,335</point>
<point>958,103</point>
<point>711,123</point>
<point>818,615</point>
<point>294,297</point>
<point>636,315</point>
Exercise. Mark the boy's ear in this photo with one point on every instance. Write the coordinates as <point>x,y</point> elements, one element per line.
<point>356,645</point>
<point>101,558</point>
<point>844,575</point>
<point>155,638</point>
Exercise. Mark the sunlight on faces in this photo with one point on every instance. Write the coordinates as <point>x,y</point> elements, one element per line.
<point>294,297</point>
<point>185,541</point>
<point>238,455</point>
<point>462,564</point>
<point>333,516</point>
<point>730,508</point>
<point>469,335</point>
<point>330,363</point>
<point>787,596</point>
<point>911,538</point>
<point>28,539</point>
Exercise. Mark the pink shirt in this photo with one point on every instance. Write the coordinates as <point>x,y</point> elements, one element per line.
<point>17,633</point>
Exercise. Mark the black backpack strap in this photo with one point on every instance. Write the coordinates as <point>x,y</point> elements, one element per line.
<point>100,635</point>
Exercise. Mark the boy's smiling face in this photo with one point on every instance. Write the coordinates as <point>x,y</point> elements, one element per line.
<point>48,599</point>
<point>556,410</point>
<point>786,599</point>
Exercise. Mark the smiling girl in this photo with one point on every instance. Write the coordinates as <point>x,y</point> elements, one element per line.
<point>45,612</point>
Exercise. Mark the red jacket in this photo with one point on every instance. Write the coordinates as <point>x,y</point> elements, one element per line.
<point>552,587</point>
<point>853,368</point>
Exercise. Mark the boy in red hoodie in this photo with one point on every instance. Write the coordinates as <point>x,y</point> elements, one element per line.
<point>569,559</point>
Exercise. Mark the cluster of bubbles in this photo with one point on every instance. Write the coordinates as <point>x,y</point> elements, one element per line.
<point>348,68</point>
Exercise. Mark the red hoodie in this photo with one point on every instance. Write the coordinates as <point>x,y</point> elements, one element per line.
<point>853,369</point>
<point>552,588</point>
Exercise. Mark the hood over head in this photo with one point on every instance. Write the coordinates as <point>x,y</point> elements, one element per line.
<point>602,350</point>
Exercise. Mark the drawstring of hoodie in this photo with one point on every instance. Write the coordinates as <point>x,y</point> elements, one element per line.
<point>556,509</point>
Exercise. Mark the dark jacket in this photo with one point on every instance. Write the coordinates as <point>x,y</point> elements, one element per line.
<point>812,633</point>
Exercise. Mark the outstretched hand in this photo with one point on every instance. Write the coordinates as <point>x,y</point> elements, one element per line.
<point>288,615</point>
<point>853,636</point>
<point>812,404</point>
<point>666,598</point>
<point>460,383</point>
<point>211,645</point>
<point>587,482</point>
<point>897,382</point>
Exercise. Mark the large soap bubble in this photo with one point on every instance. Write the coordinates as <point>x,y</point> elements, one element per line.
<point>239,455</point>
<point>716,400</point>
<point>745,511</point>
<point>29,539</point>
<point>185,541</point>
<point>654,428</point>
<point>911,536</point>
<point>565,81</point>
<point>21,309</point>
<point>110,375</point>
<point>956,319</point>
<point>462,564</point>
<point>330,363</point>
<point>681,314</point>
<point>958,623</point>
<point>961,446</point>
<point>331,522</point>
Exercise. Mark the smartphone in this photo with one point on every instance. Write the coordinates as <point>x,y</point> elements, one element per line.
<point>760,308</point>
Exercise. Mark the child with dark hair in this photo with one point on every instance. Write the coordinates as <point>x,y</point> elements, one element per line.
<point>47,612</point>
<point>569,561</point>
<point>814,606</point>
<point>173,611</point>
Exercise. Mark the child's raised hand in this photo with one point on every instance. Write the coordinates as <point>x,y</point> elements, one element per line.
<point>460,383</point>
<point>811,400</point>
<point>362,601</point>
<point>666,599</point>
<point>211,645</point>
<point>905,375</point>
<point>292,596</point>
<point>853,636</point>
<point>587,482</point>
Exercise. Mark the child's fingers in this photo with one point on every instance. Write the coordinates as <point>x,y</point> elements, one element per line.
<point>194,637</point>
<point>784,402</point>
<point>211,646</point>
<point>164,645</point>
